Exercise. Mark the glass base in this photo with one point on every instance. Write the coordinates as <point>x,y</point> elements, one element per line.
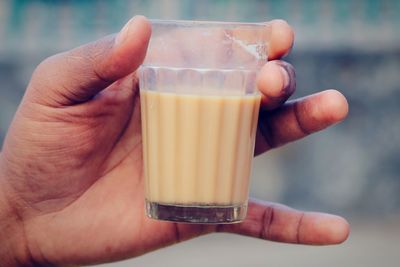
<point>213,214</point>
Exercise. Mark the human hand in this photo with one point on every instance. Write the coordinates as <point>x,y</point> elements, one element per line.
<point>71,187</point>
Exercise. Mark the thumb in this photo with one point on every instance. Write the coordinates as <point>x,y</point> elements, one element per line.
<point>77,75</point>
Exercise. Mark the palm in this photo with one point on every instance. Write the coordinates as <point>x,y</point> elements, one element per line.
<point>111,192</point>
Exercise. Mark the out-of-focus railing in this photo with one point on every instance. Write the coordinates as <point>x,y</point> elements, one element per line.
<point>42,25</point>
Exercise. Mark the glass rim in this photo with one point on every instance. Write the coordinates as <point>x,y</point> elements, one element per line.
<point>208,23</point>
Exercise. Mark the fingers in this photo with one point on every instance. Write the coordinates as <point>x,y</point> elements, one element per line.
<point>280,223</point>
<point>277,82</point>
<point>79,74</point>
<point>277,79</point>
<point>299,118</point>
<point>281,41</point>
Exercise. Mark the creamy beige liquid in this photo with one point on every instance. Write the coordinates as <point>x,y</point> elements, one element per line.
<point>198,149</point>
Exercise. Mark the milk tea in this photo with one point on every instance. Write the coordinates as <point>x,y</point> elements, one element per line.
<point>198,149</point>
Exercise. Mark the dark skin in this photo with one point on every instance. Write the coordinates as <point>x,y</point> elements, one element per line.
<point>71,166</point>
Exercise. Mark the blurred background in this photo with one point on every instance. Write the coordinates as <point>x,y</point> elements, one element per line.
<point>352,169</point>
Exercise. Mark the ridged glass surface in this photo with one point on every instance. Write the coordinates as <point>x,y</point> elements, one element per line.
<point>198,81</point>
<point>198,149</point>
<point>199,106</point>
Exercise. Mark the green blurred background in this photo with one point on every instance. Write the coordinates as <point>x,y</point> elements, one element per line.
<point>352,169</point>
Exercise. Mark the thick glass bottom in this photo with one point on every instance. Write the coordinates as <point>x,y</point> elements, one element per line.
<point>213,214</point>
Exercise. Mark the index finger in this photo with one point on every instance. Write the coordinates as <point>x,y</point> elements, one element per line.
<point>282,38</point>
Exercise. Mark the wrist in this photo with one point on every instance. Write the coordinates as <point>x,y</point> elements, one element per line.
<point>13,247</point>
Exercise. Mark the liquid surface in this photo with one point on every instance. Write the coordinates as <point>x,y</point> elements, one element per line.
<point>198,149</point>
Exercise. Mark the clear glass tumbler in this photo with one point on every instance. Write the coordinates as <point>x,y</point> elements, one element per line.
<point>199,106</point>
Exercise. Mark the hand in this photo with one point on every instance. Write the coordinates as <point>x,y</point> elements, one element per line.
<point>71,166</point>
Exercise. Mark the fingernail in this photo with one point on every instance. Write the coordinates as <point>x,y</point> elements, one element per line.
<point>123,34</point>
<point>288,76</point>
<point>285,77</point>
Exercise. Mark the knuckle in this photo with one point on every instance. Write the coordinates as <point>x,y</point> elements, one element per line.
<point>43,68</point>
<point>43,77</point>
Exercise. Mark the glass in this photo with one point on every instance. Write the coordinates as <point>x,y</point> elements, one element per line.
<point>199,106</point>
